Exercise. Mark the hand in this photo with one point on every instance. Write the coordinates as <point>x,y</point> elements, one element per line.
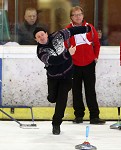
<point>96,60</point>
<point>88,28</point>
<point>72,50</point>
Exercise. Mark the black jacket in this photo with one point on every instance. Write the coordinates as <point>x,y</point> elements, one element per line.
<point>25,33</point>
<point>55,56</point>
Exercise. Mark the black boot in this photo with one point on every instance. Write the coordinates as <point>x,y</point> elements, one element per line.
<point>97,121</point>
<point>56,129</point>
<point>78,120</point>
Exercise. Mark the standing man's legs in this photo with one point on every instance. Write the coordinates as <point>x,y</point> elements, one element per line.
<point>90,93</point>
<point>86,74</point>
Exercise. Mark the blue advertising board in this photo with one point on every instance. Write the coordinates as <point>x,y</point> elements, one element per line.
<point>0,81</point>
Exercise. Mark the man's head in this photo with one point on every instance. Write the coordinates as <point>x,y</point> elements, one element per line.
<point>40,35</point>
<point>30,15</point>
<point>77,15</point>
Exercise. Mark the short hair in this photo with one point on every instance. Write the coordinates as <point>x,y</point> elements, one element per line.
<point>30,9</point>
<point>75,9</point>
<point>37,29</point>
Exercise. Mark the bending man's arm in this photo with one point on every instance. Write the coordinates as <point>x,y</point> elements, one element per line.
<point>79,29</point>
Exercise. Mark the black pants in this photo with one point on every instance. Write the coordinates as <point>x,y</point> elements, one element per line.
<point>86,75</point>
<point>58,92</point>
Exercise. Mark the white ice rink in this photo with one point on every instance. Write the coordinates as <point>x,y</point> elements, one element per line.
<point>12,137</point>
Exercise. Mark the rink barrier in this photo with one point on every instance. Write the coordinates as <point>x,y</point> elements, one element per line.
<point>12,94</point>
<point>46,113</point>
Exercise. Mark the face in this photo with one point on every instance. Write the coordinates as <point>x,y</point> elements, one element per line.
<point>41,37</point>
<point>99,34</point>
<point>30,16</point>
<point>77,17</point>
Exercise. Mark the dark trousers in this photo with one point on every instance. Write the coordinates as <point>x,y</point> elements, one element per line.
<point>58,92</point>
<point>86,75</point>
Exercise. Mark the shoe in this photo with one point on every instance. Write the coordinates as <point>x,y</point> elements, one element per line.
<point>56,130</point>
<point>78,120</point>
<point>97,121</point>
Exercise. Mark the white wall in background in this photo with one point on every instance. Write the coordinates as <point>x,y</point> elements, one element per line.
<point>24,77</point>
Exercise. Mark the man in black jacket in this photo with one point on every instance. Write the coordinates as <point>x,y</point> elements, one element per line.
<point>58,63</point>
<point>26,29</point>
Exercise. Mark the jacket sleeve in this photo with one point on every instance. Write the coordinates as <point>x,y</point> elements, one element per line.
<point>96,42</point>
<point>49,59</point>
<point>19,35</point>
<point>79,30</point>
<point>67,33</point>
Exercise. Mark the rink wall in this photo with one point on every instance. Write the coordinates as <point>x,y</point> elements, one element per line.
<point>24,82</point>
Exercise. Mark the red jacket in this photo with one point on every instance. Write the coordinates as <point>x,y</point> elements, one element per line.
<point>85,53</point>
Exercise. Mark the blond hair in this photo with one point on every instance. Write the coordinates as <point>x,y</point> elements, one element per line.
<point>75,9</point>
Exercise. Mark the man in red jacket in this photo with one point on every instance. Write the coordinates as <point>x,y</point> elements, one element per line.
<point>84,59</point>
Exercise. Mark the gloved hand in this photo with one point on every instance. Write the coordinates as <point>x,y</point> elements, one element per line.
<point>88,28</point>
